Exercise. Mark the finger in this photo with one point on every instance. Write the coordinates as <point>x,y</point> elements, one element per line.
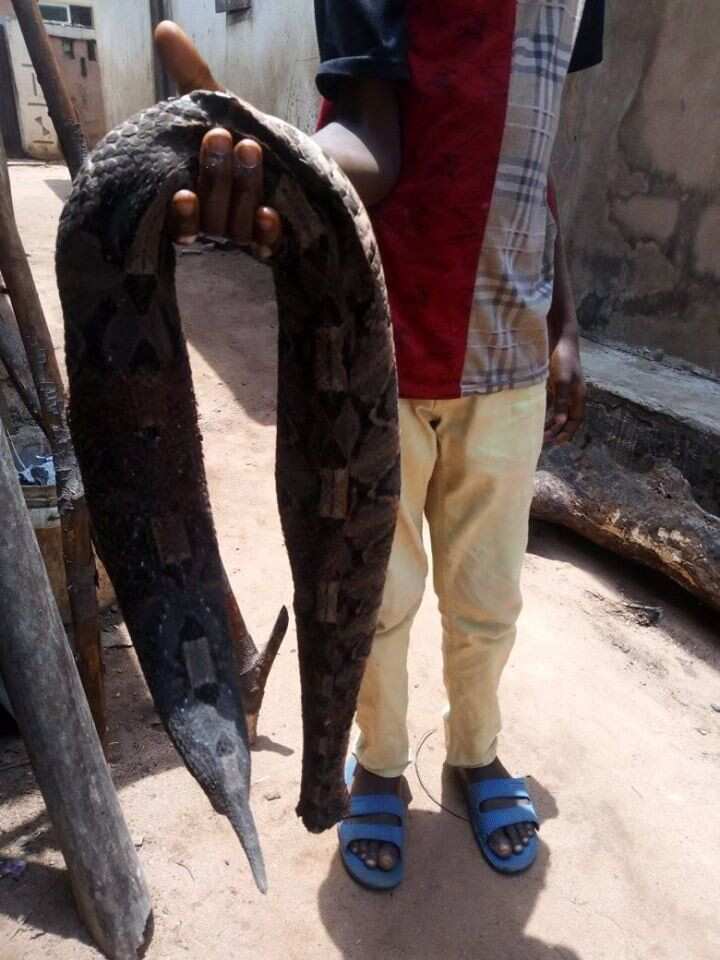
<point>568,432</point>
<point>555,427</point>
<point>181,59</point>
<point>215,181</point>
<point>185,217</point>
<point>576,413</point>
<point>560,410</point>
<point>247,190</point>
<point>268,231</point>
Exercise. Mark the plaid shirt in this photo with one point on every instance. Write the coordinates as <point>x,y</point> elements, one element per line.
<point>467,236</point>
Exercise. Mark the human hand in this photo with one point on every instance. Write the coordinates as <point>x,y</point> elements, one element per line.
<point>228,198</point>
<point>566,392</point>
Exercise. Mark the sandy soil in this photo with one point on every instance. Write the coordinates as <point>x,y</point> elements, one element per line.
<point>613,721</point>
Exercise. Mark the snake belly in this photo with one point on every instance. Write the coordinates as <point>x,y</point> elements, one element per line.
<point>134,425</point>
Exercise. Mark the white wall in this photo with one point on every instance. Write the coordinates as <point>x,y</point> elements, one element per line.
<point>268,57</point>
<point>36,131</point>
<point>125,56</point>
<point>123,34</point>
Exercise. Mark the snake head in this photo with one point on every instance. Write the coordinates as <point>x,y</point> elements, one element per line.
<point>212,739</point>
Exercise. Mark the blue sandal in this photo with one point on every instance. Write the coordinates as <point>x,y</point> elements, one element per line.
<point>485,822</point>
<point>349,831</point>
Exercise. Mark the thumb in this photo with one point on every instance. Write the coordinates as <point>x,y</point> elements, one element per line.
<point>181,59</point>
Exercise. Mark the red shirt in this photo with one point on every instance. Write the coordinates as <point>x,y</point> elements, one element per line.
<point>466,237</point>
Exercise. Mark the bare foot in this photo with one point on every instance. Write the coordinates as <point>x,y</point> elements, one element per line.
<point>508,841</point>
<point>375,855</point>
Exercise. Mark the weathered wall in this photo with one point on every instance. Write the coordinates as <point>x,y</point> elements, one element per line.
<point>638,164</point>
<point>269,56</point>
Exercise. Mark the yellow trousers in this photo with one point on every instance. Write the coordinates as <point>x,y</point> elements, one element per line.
<point>468,466</point>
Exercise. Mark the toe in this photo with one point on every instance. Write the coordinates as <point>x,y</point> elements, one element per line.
<point>500,844</point>
<point>371,859</point>
<point>362,849</point>
<point>513,835</point>
<point>388,856</point>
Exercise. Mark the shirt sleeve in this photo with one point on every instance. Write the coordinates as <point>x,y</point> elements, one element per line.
<point>588,50</point>
<point>360,38</point>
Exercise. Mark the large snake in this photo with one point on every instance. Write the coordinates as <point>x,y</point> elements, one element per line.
<point>134,425</point>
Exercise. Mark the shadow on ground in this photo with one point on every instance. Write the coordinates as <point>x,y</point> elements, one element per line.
<point>227,303</point>
<point>51,909</point>
<point>451,904</point>
<point>683,618</point>
<point>136,746</point>
<point>61,188</point>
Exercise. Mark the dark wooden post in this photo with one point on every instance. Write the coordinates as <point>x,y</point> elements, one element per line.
<point>60,107</point>
<point>54,719</point>
<point>12,355</point>
<point>74,517</point>
<point>164,87</point>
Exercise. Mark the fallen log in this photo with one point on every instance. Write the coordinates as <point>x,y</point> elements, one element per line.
<point>57,727</point>
<point>651,517</point>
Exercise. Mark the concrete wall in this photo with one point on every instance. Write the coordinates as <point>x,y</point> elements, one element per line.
<point>268,56</point>
<point>638,165</point>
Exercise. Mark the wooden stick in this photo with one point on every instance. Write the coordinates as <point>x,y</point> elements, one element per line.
<point>77,545</point>
<point>64,749</point>
<point>60,107</point>
<point>12,355</point>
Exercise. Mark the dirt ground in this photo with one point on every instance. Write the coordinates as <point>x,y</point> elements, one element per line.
<point>613,721</point>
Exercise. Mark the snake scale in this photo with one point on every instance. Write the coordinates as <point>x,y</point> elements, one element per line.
<point>134,424</point>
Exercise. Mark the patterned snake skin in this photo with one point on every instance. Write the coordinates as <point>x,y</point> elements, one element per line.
<point>134,424</point>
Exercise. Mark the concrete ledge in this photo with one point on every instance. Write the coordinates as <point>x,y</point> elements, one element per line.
<point>643,476</point>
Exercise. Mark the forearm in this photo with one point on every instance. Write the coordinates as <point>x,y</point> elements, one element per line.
<point>562,318</point>
<point>364,137</point>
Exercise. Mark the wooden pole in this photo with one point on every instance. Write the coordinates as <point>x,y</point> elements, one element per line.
<point>77,544</point>
<point>12,355</point>
<point>60,107</point>
<point>54,719</point>
<point>164,86</point>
